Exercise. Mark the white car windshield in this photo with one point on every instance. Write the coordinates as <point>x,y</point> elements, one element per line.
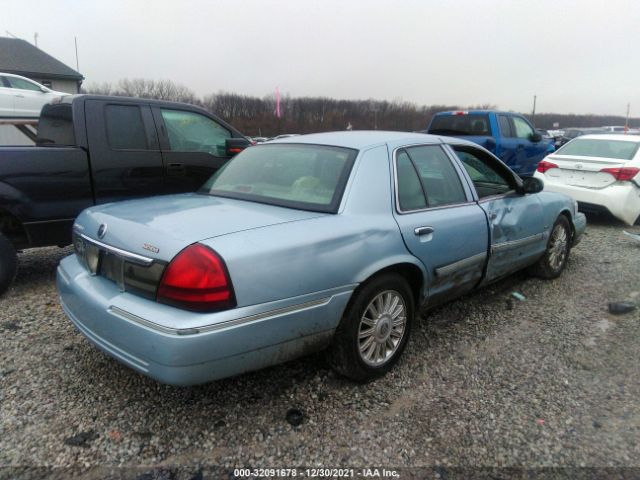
<point>308,177</point>
<point>591,147</point>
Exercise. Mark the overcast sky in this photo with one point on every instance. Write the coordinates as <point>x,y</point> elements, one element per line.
<point>576,56</point>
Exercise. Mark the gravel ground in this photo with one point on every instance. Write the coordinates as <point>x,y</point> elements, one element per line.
<point>487,380</point>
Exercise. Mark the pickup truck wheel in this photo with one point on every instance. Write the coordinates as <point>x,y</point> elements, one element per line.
<point>374,329</point>
<point>8,263</point>
<point>555,257</point>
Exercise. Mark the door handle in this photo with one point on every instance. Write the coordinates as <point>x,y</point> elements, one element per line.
<point>520,146</point>
<point>20,96</point>
<point>423,231</point>
<point>176,168</point>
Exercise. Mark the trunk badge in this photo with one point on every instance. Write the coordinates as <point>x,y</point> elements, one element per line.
<point>102,230</point>
<point>151,248</point>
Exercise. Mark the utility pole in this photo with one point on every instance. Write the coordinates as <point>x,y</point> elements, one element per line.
<point>75,39</point>
<point>626,122</point>
<point>533,112</point>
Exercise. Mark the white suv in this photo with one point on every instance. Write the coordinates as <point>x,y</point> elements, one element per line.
<point>22,97</point>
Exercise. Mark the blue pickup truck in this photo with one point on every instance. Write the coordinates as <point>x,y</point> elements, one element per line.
<point>507,135</point>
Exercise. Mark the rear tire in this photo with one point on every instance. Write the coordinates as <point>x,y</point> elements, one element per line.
<point>556,255</point>
<point>8,263</point>
<point>374,329</point>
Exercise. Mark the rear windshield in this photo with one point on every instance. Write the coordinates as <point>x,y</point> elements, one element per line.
<point>618,149</point>
<point>306,177</point>
<point>55,126</point>
<point>474,124</point>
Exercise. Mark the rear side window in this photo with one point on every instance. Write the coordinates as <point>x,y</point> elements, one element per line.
<point>427,178</point>
<point>192,132</point>
<point>125,128</point>
<point>473,124</point>
<point>55,126</point>
<point>410,194</point>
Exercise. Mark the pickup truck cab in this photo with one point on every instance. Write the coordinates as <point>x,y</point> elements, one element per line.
<point>507,135</point>
<point>95,149</point>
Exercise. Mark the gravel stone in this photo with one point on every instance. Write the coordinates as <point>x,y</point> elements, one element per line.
<point>553,381</point>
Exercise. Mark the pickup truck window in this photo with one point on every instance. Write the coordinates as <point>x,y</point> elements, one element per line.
<point>55,126</point>
<point>439,179</point>
<point>473,124</point>
<point>192,132</point>
<point>523,129</point>
<point>505,126</point>
<point>125,129</point>
<point>487,177</point>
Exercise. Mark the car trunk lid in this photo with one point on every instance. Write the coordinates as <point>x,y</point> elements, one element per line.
<point>582,171</point>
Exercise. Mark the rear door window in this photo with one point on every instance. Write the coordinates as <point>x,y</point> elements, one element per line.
<point>125,129</point>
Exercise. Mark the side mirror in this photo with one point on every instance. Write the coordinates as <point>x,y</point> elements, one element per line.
<point>44,90</point>
<point>535,137</point>
<point>531,185</point>
<point>234,146</point>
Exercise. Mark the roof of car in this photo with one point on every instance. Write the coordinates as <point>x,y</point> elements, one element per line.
<point>612,136</point>
<point>361,139</point>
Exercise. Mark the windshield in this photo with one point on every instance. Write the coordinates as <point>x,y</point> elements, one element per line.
<point>587,147</point>
<point>307,177</point>
<point>466,124</point>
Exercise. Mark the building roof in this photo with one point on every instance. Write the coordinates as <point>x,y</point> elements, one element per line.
<point>20,57</point>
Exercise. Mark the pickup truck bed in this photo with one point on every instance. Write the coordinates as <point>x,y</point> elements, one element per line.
<point>94,149</point>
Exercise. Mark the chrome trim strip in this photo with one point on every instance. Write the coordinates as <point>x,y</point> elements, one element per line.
<point>123,253</point>
<point>521,242</point>
<point>217,326</point>
<point>460,264</point>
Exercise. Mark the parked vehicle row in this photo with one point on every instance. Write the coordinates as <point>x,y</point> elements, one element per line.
<point>507,135</point>
<point>360,229</point>
<point>95,149</point>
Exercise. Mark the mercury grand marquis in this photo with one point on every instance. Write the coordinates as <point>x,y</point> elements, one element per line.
<point>325,240</point>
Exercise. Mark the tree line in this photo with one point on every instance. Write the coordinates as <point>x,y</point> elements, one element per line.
<point>256,116</point>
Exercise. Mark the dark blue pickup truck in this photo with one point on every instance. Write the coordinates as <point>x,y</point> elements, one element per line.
<point>508,135</point>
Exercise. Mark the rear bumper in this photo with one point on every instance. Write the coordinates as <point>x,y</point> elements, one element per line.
<point>135,331</point>
<point>621,199</point>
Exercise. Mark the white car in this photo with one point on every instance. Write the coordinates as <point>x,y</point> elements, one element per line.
<point>22,97</point>
<point>600,172</point>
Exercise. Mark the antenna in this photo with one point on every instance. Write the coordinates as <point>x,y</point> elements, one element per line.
<point>10,34</point>
<point>35,38</point>
<point>75,39</point>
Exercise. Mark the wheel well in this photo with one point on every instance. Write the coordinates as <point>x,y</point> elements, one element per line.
<point>13,229</point>
<point>568,216</point>
<point>411,273</point>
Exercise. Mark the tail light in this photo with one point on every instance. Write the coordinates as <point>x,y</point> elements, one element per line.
<point>197,279</point>
<point>544,166</point>
<point>622,174</point>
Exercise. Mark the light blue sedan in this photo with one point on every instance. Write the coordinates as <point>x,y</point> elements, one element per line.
<point>333,239</point>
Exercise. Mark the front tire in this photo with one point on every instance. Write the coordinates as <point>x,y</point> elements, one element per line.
<point>374,329</point>
<point>8,263</point>
<point>555,257</point>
